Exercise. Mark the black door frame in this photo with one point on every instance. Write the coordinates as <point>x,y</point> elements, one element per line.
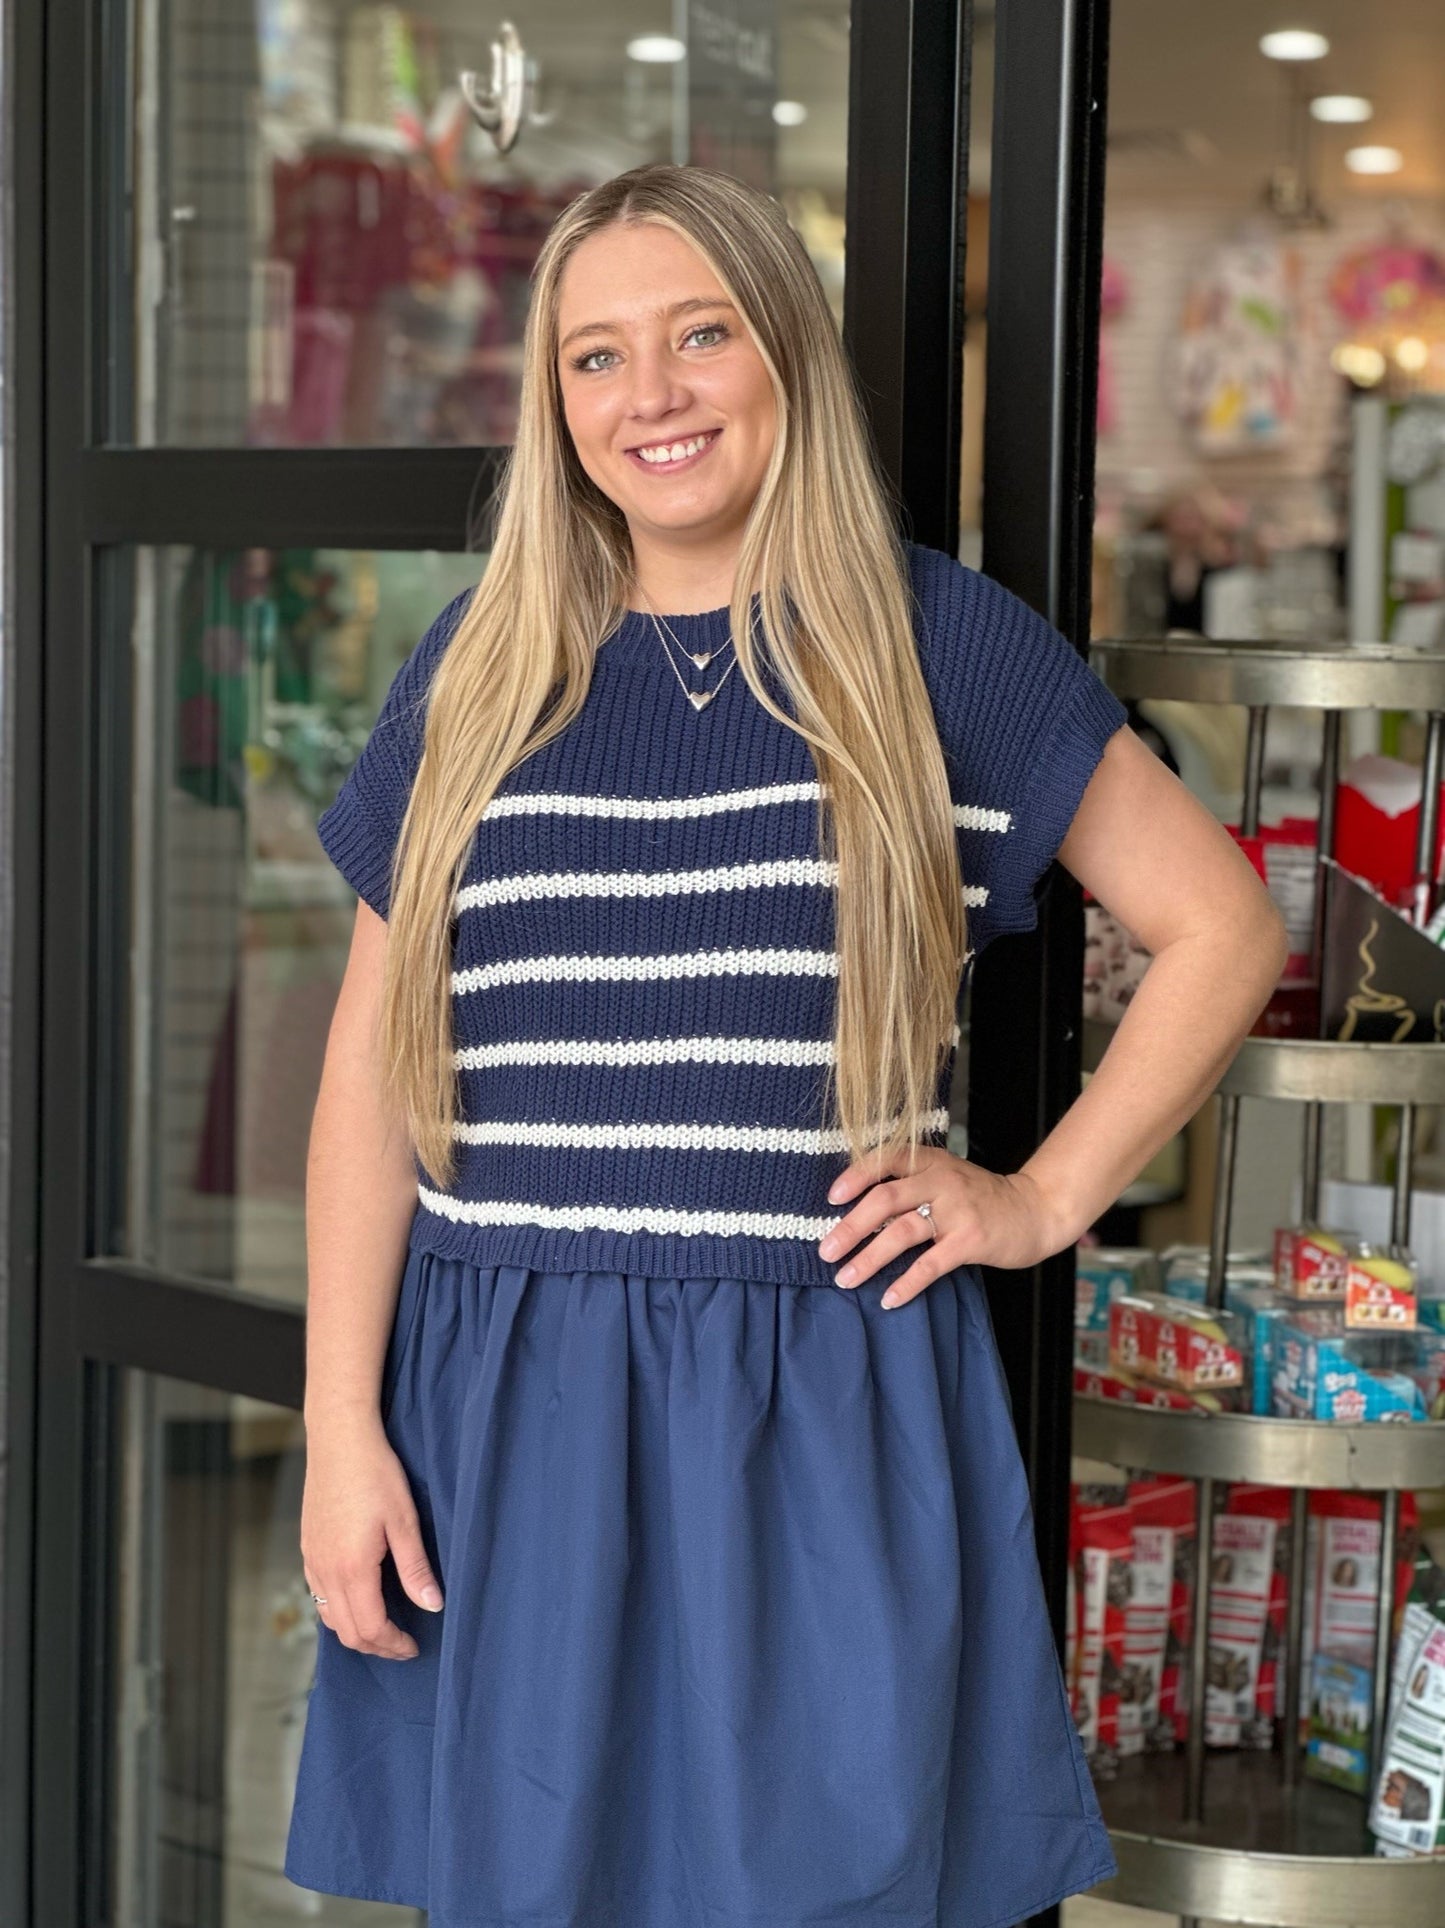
<point>72,1319</point>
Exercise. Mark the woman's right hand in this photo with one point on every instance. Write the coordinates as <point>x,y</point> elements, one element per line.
<point>357,1504</point>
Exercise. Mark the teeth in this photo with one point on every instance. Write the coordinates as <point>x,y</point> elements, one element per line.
<point>675,451</point>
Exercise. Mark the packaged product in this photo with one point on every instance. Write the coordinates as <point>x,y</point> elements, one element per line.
<point>1342,1580</point>
<point>1175,1343</point>
<point>1130,1389</point>
<point>1260,1310</point>
<point>1103,1579</point>
<point>1268,1502</point>
<point>1310,1261</point>
<point>1337,1747</point>
<point>1380,1286</point>
<point>1322,1370</point>
<point>1163,1504</point>
<point>1163,1513</point>
<point>1407,1813</point>
<point>1102,1273</point>
<point>1241,1570</point>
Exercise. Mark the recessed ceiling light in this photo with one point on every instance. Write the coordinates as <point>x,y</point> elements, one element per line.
<point>1294,43</point>
<point>789,113</point>
<point>656,47</point>
<point>1374,160</point>
<point>1341,108</point>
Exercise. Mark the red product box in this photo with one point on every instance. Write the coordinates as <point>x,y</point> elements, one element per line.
<point>1310,1262</point>
<point>1175,1342</point>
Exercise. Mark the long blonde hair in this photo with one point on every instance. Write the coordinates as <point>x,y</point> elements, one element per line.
<point>821,548</point>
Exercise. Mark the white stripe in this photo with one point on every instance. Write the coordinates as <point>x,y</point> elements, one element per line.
<point>628,1218</point>
<point>665,1136</point>
<point>975,816</point>
<point>625,1051</point>
<point>645,883</point>
<point>548,803</point>
<point>646,967</point>
<point>561,803</point>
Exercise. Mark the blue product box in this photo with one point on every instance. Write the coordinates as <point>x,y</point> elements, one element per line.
<point>1338,1748</point>
<point>1105,1273</point>
<point>1322,1372</point>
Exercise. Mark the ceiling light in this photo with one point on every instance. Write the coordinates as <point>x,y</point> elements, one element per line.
<point>789,113</point>
<point>1374,160</point>
<point>1362,364</point>
<point>1412,354</point>
<point>656,47</point>
<point>1294,43</point>
<point>1341,108</point>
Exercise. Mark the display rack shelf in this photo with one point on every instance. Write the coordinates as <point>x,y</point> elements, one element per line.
<point>1267,1845</point>
<point>1276,1452</point>
<point>1266,1854</point>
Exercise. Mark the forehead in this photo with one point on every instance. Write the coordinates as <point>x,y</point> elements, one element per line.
<point>632,274</point>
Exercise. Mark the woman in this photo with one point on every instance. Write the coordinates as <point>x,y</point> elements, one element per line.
<point>666,1523</point>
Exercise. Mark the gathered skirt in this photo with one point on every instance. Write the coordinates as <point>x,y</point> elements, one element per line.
<point>743,1621</point>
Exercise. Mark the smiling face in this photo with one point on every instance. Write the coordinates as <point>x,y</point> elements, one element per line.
<point>669,405</point>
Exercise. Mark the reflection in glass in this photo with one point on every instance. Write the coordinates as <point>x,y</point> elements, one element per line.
<point>259,675</point>
<point>331,249</point>
<point>215,1644</point>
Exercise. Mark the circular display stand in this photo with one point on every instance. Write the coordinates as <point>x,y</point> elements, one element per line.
<point>1276,1452</point>
<point>1279,1857</point>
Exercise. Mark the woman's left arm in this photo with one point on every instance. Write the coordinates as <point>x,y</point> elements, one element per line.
<point>1153,855</point>
<point>1145,846</point>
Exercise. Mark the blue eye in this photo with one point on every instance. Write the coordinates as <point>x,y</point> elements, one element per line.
<point>579,362</point>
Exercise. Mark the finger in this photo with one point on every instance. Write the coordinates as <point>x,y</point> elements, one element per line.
<point>374,1632</point>
<point>413,1568</point>
<point>908,1229</point>
<point>855,1177</point>
<point>322,1607</point>
<point>888,1212</point>
<point>931,1265</point>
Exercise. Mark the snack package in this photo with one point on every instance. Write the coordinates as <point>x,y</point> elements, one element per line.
<point>1342,1568</point>
<point>1241,1571</point>
<point>1337,1748</point>
<point>1112,1382</point>
<point>1104,1582</point>
<point>1260,1310</point>
<point>1319,1369</point>
<point>1380,1287</point>
<point>1165,1533</point>
<point>1310,1261</point>
<point>1102,1274</point>
<point>1175,1343</point>
<point>1273,1503</point>
<point>1407,1813</point>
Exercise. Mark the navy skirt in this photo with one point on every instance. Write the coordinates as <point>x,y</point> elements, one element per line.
<point>743,1622</point>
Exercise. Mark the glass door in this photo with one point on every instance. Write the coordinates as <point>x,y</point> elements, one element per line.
<point>287,248</point>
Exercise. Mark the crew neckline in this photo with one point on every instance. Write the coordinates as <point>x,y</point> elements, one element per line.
<point>700,627</point>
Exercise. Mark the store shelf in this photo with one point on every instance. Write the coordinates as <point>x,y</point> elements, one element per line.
<point>1315,1070</point>
<point>1343,676</point>
<point>1276,1452</point>
<point>1271,1855</point>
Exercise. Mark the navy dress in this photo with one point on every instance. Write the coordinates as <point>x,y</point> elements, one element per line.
<point>743,1621</point>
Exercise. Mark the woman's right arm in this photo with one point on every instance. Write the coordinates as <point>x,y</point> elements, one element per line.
<point>360,1197</point>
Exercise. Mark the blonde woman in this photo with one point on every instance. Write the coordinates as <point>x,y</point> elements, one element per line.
<point>669,1537</point>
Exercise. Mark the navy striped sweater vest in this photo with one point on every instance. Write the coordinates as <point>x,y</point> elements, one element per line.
<point>644,953</point>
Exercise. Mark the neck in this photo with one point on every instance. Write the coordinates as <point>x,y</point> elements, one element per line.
<point>678,583</point>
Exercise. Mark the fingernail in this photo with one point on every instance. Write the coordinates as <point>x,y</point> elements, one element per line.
<point>828,1247</point>
<point>847,1275</point>
<point>890,1297</point>
<point>835,1191</point>
<point>430,1597</point>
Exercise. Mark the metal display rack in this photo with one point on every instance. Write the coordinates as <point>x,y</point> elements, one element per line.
<point>1271,1847</point>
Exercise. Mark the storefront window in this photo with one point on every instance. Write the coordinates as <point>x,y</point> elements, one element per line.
<point>259,676</point>
<point>216,1638</point>
<point>330,248</point>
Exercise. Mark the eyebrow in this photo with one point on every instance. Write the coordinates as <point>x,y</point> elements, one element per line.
<point>678,308</point>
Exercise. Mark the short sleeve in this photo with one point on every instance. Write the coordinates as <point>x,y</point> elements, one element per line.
<point>1023,720</point>
<point>358,830</point>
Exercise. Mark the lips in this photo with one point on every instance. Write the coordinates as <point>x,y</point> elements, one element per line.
<point>672,468</point>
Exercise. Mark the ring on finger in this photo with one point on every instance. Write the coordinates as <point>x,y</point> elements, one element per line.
<point>925,1210</point>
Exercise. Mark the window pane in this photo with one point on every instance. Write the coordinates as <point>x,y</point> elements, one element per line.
<point>259,674</point>
<point>215,1651</point>
<point>329,249</point>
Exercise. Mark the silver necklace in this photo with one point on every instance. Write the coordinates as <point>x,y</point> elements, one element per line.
<point>698,698</point>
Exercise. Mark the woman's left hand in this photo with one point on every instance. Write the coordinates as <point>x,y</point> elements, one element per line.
<point>978,1217</point>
